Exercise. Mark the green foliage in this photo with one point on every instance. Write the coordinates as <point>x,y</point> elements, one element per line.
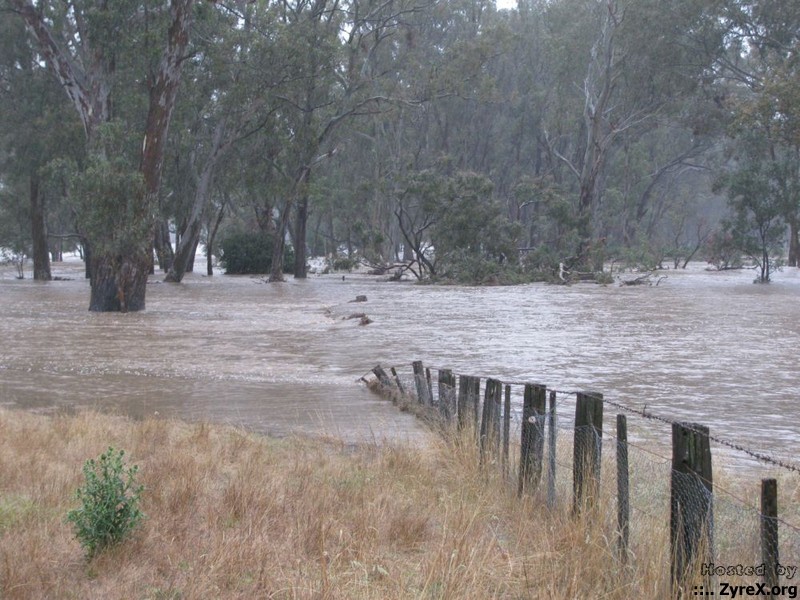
<point>111,207</point>
<point>244,253</point>
<point>641,256</point>
<point>723,251</point>
<point>109,509</point>
<point>473,240</point>
<point>344,263</point>
<point>15,235</point>
<point>114,210</point>
<point>757,227</point>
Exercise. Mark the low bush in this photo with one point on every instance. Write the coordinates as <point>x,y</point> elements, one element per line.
<point>245,253</point>
<point>109,508</point>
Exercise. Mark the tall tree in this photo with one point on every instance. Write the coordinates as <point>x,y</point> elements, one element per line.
<point>81,43</point>
<point>644,58</point>
<point>35,128</point>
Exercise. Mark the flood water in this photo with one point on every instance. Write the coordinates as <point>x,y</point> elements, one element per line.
<point>708,347</point>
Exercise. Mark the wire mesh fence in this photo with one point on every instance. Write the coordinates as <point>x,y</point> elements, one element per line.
<point>640,492</point>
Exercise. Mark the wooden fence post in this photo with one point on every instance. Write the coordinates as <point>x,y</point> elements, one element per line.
<point>623,489</point>
<point>691,502</point>
<point>430,385</point>
<point>769,531</point>
<point>469,389</point>
<point>490,424</point>
<point>532,442</point>
<point>551,445</point>
<point>474,400</point>
<point>506,428</point>
<point>447,394</point>
<point>397,381</point>
<point>420,383</point>
<point>587,449</point>
<point>383,378</point>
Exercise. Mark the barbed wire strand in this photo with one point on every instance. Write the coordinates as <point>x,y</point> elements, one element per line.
<point>758,455</point>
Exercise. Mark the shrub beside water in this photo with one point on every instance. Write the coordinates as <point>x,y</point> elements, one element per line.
<point>251,253</point>
<point>109,508</point>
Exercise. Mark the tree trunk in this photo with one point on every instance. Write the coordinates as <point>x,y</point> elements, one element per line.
<point>212,234</point>
<point>41,255</point>
<point>163,246</point>
<point>279,244</point>
<point>190,235</point>
<point>184,255</point>
<point>300,237</point>
<point>118,283</point>
<point>87,258</point>
<point>193,254</point>
<point>794,243</point>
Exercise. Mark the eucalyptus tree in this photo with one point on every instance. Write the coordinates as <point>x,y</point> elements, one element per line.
<point>623,67</point>
<point>755,186</point>
<point>762,76</point>
<point>331,50</point>
<point>222,104</point>
<point>36,128</point>
<point>120,62</point>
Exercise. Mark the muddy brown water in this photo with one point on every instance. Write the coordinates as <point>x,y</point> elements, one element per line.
<point>707,347</point>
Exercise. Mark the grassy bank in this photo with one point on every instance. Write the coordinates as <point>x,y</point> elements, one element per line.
<point>236,515</point>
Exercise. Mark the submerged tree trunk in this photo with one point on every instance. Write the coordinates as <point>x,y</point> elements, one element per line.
<point>211,236</point>
<point>193,255</point>
<point>163,246</point>
<point>279,244</point>
<point>41,254</point>
<point>794,243</point>
<point>300,237</point>
<point>118,283</point>
<point>190,235</point>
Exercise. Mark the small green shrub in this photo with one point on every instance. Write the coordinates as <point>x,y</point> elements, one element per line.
<point>109,502</point>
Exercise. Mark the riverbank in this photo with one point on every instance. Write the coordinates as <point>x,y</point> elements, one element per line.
<point>231,514</point>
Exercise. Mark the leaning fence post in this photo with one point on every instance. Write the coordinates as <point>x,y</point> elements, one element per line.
<point>383,378</point>
<point>420,383</point>
<point>551,443</point>
<point>691,506</point>
<point>588,446</point>
<point>769,531</point>
<point>623,490</point>
<point>397,381</point>
<point>532,442</point>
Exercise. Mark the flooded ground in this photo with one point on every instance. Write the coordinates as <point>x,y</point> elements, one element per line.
<point>702,346</point>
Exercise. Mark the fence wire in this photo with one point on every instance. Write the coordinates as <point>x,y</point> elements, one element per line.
<point>734,502</point>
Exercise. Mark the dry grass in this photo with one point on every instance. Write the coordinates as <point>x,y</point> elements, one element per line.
<point>236,515</point>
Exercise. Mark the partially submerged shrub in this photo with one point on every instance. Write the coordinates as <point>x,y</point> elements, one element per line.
<point>109,502</point>
<point>251,253</point>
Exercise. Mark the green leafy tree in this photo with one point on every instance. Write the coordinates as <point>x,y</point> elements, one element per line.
<point>757,226</point>
<point>463,234</point>
<point>102,54</point>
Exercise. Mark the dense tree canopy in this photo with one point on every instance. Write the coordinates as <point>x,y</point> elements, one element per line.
<point>467,142</point>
